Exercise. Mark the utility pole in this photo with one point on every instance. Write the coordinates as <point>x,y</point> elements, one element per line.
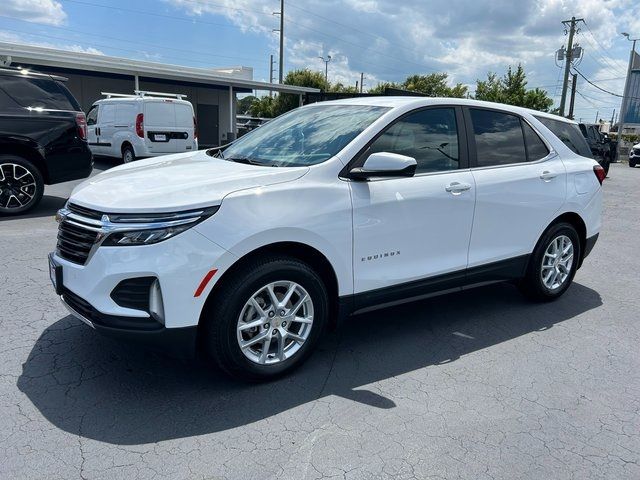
<point>281,32</point>
<point>625,94</point>
<point>281,70</point>
<point>612,117</point>
<point>361,81</point>
<point>574,82</point>
<point>326,66</point>
<point>567,66</point>
<point>356,85</point>
<point>271,62</point>
<point>596,120</point>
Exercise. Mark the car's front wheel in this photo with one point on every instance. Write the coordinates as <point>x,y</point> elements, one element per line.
<point>266,319</point>
<point>553,264</point>
<point>21,185</point>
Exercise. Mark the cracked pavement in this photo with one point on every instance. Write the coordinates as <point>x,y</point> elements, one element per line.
<point>476,385</point>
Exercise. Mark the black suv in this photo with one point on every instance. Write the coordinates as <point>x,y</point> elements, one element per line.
<point>43,138</point>
<point>599,144</point>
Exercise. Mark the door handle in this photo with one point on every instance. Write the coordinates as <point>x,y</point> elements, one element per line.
<point>456,188</point>
<point>547,175</point>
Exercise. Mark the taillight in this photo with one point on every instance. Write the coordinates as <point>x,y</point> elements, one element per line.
<point>140,125</point>
<point>600,173</point>
<point>81,123</point>
<point>195,128</point>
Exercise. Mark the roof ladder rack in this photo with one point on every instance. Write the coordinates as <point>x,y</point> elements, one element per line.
<point>143,93</point>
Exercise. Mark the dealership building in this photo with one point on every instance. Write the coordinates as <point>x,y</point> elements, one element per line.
<point>212,91</point>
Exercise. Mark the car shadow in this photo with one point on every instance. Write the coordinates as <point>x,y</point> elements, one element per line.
<point>92,386</point>
<point>47,207</point>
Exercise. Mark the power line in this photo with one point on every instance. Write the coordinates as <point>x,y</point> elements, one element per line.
<point>204,22</point>
<point>600,88</point>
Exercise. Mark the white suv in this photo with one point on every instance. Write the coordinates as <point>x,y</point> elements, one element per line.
<point>249,251</point>
<point>146,124</point>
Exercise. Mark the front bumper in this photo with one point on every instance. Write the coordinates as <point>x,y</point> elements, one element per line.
<point>176,342</point>
<point>179,264</point>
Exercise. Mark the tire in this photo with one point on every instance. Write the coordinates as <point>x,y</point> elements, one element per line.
<point>632,164</point>
<point>21,194</point>
<point>533,285</point>
<point>230,307</point>
<point>128,155</point>
<point>606,163</point>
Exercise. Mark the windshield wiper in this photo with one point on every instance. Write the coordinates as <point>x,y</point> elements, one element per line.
<point>246,160</point>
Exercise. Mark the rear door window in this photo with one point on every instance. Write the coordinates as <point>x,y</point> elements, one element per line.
<point>158,114</point>
<point>499,138</point>
<point>569,134</point>
<point>536,149</point>
<point>184,115</point>
<point>39,93</point>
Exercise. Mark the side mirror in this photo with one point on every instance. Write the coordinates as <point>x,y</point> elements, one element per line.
<point>385,164</point>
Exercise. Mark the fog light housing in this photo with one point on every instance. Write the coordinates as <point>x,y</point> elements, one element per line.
<point>156,305</point>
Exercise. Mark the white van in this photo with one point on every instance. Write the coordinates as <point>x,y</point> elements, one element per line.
<point>146,124</point>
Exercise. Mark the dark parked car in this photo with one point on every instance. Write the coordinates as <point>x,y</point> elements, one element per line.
<point>43,138</point>
<point>599,144</point>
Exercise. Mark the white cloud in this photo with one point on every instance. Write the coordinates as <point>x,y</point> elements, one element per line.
<point>13,38</point>
<point>48,12</point>
<point>388,40</point>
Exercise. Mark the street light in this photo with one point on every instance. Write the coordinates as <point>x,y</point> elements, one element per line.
<point>625,94</point>
<point>326,66</point>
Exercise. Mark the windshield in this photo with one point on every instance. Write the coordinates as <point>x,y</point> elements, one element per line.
<point>305,136</point>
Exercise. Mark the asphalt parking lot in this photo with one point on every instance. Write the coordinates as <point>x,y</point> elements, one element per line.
<point>476,385</point>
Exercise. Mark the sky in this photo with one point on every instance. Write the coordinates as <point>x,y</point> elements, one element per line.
<point>387,40</point>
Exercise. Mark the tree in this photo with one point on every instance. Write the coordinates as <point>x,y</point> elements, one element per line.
<point>511,89</point>
<point>301,78</point>
<point>434,85</point>
<point>262,107</point>
<point>341,88</point>
<point>244,104</point>
<point>381,87</point>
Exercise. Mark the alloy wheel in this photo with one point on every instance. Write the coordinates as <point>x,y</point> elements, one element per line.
<point>275,322</point>
<point>128,156</point>
<point>557,262</point>
<point>17,186</point>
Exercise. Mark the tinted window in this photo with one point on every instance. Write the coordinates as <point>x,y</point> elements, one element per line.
<point>536,149</point>
<point>92,115</point>
<point>38,93</point>
<point>430,136</point>
<point>499,139</point>
<point>570,135</point>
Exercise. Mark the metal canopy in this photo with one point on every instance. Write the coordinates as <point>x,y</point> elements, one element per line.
<point>52,57</point>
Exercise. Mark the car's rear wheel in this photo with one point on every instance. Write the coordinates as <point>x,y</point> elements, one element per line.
<point>21,185</point>
<point>128,154</point>
<point>553,263</point>
<point>606,163</point>
<point>266,319</point>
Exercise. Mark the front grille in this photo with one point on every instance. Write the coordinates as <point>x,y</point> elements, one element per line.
<point>84,308</point>
<point>85,212</point>
<point>75,242</point>
<point>133,293</point>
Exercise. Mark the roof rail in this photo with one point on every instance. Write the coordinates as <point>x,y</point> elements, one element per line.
<point>117,95</point>
<point>143,93</point>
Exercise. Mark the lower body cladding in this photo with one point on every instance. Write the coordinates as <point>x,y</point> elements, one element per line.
<point>152,294</point>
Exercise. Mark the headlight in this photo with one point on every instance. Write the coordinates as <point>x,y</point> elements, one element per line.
<point>147,229</point>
